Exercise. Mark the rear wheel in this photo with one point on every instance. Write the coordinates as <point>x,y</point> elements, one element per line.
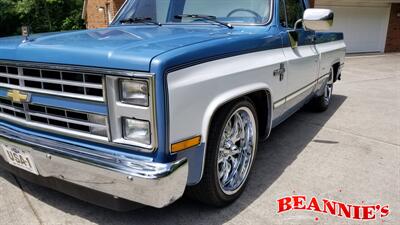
<point>321,103</point>
<point>232,146</point>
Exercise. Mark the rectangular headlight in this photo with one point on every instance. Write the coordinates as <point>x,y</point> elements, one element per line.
<point>137,130</point>
<point>135,92</point>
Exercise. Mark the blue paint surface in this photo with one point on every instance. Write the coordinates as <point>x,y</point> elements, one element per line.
<point>120,47</point>
<point>324,37</point>
<point>147,48</point>
<point>3,92</point>
<point>72,104</point>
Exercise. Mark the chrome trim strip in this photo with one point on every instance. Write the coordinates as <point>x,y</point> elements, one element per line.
<point>125,176</point>
<point>67,120</point>
<point>324,76</point>
<point>49,92</point>
<point>53,129</point>
<point>299,92</point>
<point>279,103</point>
<point>74,68</point>
<point>289,97</point>
<point>54,81</point>
<point>12,108</point>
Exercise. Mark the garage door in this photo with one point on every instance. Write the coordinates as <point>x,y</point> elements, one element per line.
<point>364,28</point>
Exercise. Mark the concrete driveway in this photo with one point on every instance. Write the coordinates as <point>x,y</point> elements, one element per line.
<point>350,154</point>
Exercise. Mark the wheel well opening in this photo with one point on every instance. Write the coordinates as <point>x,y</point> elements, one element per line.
<point>261,103</point>
<point>335,71</point>
<point>261,100</point>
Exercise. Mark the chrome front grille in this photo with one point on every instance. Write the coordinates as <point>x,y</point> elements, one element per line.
<point>58,84</point>
<point>73,84</point>
<point>85,123</point>
<point>72,101</point>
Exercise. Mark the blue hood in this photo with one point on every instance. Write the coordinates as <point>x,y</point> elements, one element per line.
<point>129,47</point>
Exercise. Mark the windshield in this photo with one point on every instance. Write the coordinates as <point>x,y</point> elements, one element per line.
<point>235,12</point>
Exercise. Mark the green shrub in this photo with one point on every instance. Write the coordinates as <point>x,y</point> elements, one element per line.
<point>40,15</point>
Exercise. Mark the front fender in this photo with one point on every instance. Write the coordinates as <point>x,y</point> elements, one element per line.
<point>226,97</point>
<point>196,156</point>
<point>196,93</point>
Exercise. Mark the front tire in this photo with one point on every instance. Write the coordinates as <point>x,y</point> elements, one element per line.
<point>231,149</point>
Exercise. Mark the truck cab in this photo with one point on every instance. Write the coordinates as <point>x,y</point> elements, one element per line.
<point>174,95</point>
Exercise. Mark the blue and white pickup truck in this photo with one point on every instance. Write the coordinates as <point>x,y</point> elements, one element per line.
<point>174,95</point>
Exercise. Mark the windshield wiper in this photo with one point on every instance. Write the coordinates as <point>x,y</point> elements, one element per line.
<point>140,20</point>
<point>204,17</point>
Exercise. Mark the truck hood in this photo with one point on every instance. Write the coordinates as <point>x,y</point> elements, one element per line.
<point>129,47</point>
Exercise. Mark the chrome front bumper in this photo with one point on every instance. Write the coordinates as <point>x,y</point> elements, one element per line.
<point>138,180</point>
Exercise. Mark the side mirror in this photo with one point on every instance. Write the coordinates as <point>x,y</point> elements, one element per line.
<point>318,19</point>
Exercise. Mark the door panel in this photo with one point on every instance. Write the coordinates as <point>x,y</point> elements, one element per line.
<point>300,52</point>
<point>302,66</point>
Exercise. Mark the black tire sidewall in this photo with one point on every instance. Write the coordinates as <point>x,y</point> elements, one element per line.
<point>213,149</point>
<point>325,104</point>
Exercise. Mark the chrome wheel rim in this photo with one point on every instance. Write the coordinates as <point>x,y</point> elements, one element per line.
<point>236,150</point>
<point>329,88</point>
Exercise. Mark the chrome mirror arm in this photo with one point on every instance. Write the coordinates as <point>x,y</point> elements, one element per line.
<point>297,24</point>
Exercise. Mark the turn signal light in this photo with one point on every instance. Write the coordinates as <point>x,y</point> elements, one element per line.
<point>183,145</point>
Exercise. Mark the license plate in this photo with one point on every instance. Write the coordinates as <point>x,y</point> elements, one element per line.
<point>20,158</point>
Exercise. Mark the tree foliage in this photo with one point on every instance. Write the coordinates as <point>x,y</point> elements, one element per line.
<point>40,15</point>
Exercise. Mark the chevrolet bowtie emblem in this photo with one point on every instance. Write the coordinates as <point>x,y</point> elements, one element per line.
<point>17,96</point>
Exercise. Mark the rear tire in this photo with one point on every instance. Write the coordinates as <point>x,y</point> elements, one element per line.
<point>231,149</point>
<point>321,103</point>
